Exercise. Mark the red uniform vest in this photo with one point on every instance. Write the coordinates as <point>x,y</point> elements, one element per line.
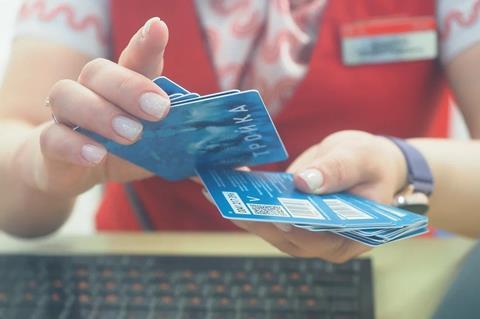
<point>397,99</point>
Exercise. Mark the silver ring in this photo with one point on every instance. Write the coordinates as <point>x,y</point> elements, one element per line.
<point>56,121</point>
<point>48,103</point>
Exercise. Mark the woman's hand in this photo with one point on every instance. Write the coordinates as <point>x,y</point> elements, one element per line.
<point>364,164</point>
<point>108,99</point>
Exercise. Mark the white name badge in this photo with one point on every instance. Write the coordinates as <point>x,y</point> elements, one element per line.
<point>389,40</point>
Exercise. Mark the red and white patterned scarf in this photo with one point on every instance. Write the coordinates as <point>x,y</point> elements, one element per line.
<point>265,45</point>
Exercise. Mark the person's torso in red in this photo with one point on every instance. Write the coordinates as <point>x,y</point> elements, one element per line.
<point>397,99</point>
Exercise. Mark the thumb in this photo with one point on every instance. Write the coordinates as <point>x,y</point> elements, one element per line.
<point>144,52</point>
<point>337,171</point>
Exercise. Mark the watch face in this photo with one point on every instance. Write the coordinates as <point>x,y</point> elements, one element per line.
<point>414,202</point>
<point>418,208</point>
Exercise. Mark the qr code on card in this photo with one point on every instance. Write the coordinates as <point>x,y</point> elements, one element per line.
<point>268,210</point>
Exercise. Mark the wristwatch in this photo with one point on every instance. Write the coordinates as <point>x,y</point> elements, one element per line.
<point>414,196</point>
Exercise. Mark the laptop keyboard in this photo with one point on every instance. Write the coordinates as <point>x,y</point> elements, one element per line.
<point>172,287</point>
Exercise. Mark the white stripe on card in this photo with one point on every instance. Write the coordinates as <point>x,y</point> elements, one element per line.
<point>345,211</point>
<point>300,208</point>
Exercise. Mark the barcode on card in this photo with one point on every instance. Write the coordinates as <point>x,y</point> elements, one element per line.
<point>236,203</point>
<point>345,211</point>
<point>300,208</point>
<point>268,210</point>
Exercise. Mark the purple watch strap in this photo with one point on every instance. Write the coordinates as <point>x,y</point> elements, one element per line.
<point>419,173</point>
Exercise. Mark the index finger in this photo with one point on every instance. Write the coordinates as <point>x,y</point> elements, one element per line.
<point>125,88</point>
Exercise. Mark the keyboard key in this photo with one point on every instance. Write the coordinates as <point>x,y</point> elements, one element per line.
<point>134,273</point>
<point>312,305</point>
<point>19,313</point>
<point>247,290</point>
<point>110,300</point>
<point>106,272</point>
<point>157,275</point>
<point>294,277</point>
<point>335,279</point>
<point>342,292</point>
<point>217,290</point>
<point>84,300</point>
<point>214,275</point>
<point>344,306</point>
<point>81,272</point>
<point>135,288</point>
<point>275,290</point>
<point>162,314</point>
<point>84,285</point>
<point>241,277</point>
<point>186,275</point>
<point>223,315</point>
<point>163,288</point>
<point>77,313</point>
<point>268,276</point>
<point>221,304</point>
<point>137,314</point>
<point>282,304</point>
<point>107,314</point>
<point>28,299</point>
<point>277,315</point>
<point>139,301</point>
<point>166,303</point>
<point>252,304</point>
<point>189,314</point>
<point>303,290</point>
<point>194,303</point>
<point>189,289</point>
<point>253,315</point>
<point>345,316</point>
<point>4,298</point>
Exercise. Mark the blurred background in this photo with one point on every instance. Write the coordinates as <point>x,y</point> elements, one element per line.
<point>82,221</point>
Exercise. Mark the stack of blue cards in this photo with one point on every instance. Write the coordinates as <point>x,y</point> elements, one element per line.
<point>226,129</point>
<point>272,197</point>
<point>210,135</point>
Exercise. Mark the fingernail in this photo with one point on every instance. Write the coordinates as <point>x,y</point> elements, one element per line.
<point>283,227</point>
<point>93,153</point>
<point>154,104</point>
<point>313,178</point>
<point>148,25</point>
<point>127,128</point>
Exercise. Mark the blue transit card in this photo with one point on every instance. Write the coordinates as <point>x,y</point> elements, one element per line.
<point>169,86</point>
<point>184,97</point>
<point>227,131</point>
<point>204,97</point>
<point>272,197</point>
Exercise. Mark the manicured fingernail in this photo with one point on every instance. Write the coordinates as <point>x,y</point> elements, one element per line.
<point>127,128</point>
<point>313,178</point>
<point>283,227</point>
<point>92,153</point>
<point>154,104</point>
<point>148,25</point>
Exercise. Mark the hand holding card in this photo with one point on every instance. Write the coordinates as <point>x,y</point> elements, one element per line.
<point>227,129</point>
<point>272,197</point>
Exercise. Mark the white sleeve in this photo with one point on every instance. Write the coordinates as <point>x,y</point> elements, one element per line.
<point>459,26</point>
<point>80,24</point>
